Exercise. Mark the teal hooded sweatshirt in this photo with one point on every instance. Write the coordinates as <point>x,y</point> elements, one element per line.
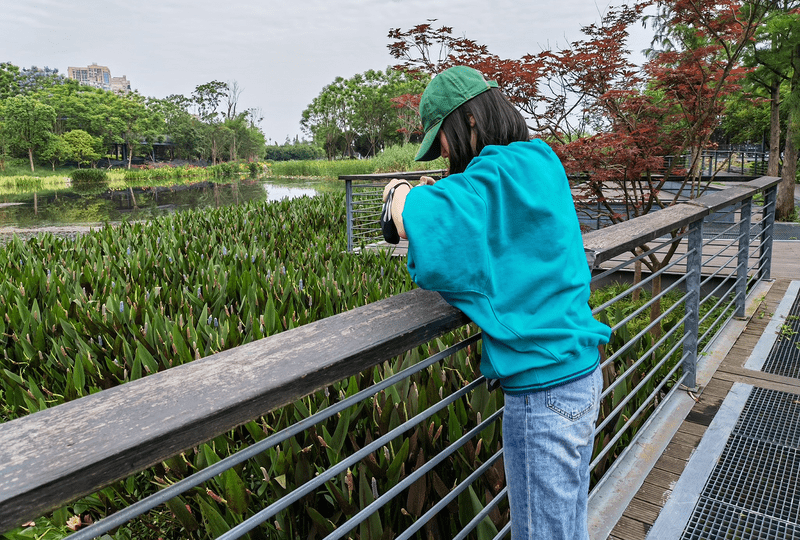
<point>502,243</point>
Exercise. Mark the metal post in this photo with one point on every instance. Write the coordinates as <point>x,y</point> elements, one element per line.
<point>691,327</point>
<point>767,232</point>
<point>744,255</point>
<point>348,187</point>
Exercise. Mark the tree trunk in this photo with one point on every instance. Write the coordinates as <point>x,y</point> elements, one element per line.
<point>130,155</point>
<point>785,203</point>
<point>655,309</point>
<point>30,157</point>
<point>773,166</point>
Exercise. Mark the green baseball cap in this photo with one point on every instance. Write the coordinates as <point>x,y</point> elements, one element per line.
<point>446,92</point>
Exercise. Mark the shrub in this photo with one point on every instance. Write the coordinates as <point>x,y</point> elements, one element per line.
<point>254,168</point>
<point>88,175</point>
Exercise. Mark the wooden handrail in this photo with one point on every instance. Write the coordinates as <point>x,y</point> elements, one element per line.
<point>54,456</point>
<point>57,455</point>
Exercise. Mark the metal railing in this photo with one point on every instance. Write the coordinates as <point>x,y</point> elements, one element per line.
<point>363,201</point>
<point>741,161</point>
<point>408,437</point>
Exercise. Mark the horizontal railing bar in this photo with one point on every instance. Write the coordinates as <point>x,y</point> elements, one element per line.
<point>503,532</point>
<point>62,453</point>
<point>260,517</point>
<point>713,292</point>
<point>716,306</point>
<point>639,285</point>
<point>480,516</point>
<point>639,257</point>
<point>148,503</point>
<point>647,304</point>
<point>607,243</point>
<point>724,232</point>
<point>730,308</point>
<point>620,406</point>
<point>632,341</point>
<point>410,479</point>
<point>641,359</point>
<point>433,173</point>
<point>424,518</point>
<point>725,263</point>
<point>638,411</point>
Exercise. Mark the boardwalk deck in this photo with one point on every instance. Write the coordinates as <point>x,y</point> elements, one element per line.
<point>645,506</point>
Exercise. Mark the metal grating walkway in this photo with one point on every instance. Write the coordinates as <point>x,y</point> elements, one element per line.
<point>752,491</point>
<point>784,358</point>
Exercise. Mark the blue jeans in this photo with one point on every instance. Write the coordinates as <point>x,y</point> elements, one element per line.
<point>547,448</point>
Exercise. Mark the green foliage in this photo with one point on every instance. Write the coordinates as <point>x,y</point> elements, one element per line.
<point>357,114</point>
<point>88,175</point>
<point>120,303</point>
<point>640,348</point>
<point>27,124</point>
<point>293,151</point>
<point>394,158</point>
<point>255,168</point>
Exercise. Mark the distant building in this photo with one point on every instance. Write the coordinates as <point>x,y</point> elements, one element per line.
<point>99,77</point>
<point>120,84</point>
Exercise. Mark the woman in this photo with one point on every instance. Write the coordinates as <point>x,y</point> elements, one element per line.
<point>499,239</point>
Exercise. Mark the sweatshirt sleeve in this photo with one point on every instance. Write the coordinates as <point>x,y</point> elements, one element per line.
<point>446,227</point>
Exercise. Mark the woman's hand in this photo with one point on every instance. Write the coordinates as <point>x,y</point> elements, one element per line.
<point>426,181</point>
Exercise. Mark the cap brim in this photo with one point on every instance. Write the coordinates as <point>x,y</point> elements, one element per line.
<point>430,149</point>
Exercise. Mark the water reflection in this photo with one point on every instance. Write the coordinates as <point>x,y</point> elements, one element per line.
<point>97,203</point>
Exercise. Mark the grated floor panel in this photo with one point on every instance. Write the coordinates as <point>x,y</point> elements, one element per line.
<point>753,490</point>
<point>784,358</point>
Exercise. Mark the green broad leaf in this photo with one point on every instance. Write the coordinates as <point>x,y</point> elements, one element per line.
<point>78,378</point>
<point>235,492</point>
<point>468,507</point>
<point>300,407</point>
<point>255,431</point>
<point>61,515</point>
<point>14,377</point>
<point>213,521</point>
<point>178,507</point>
<point>393,472</point>
<point>326,525</point>
<point>146,359</point>
<point>136,370</point>
<point>454,428</point>
<point>340,434</point>
<point>371,529</point>
<point>184,353</point>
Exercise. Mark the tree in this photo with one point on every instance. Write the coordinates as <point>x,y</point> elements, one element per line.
<point>8,80</point>
<point>56,151</point>
<point>207,98</point>
<point>232,99</point>
<point>407,108</point>
<point>610,121</point>
<point>82,146</point>
<point>359,109</point>
<point>775,53</point>
<point>28,124</point>
<point>34,79</point>
<point>181,128</point>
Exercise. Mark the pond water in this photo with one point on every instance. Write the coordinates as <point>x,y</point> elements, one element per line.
<point>97,204</point>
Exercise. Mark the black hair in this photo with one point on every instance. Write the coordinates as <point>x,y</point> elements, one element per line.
<point>497,121</point>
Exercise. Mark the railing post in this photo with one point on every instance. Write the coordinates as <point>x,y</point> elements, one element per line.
<point>767,232</point>
<point>348,187</point>
<point>744,256</point>
<point>694,264</point>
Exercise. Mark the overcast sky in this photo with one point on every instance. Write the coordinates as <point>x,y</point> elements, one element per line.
<point>281,53</point>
